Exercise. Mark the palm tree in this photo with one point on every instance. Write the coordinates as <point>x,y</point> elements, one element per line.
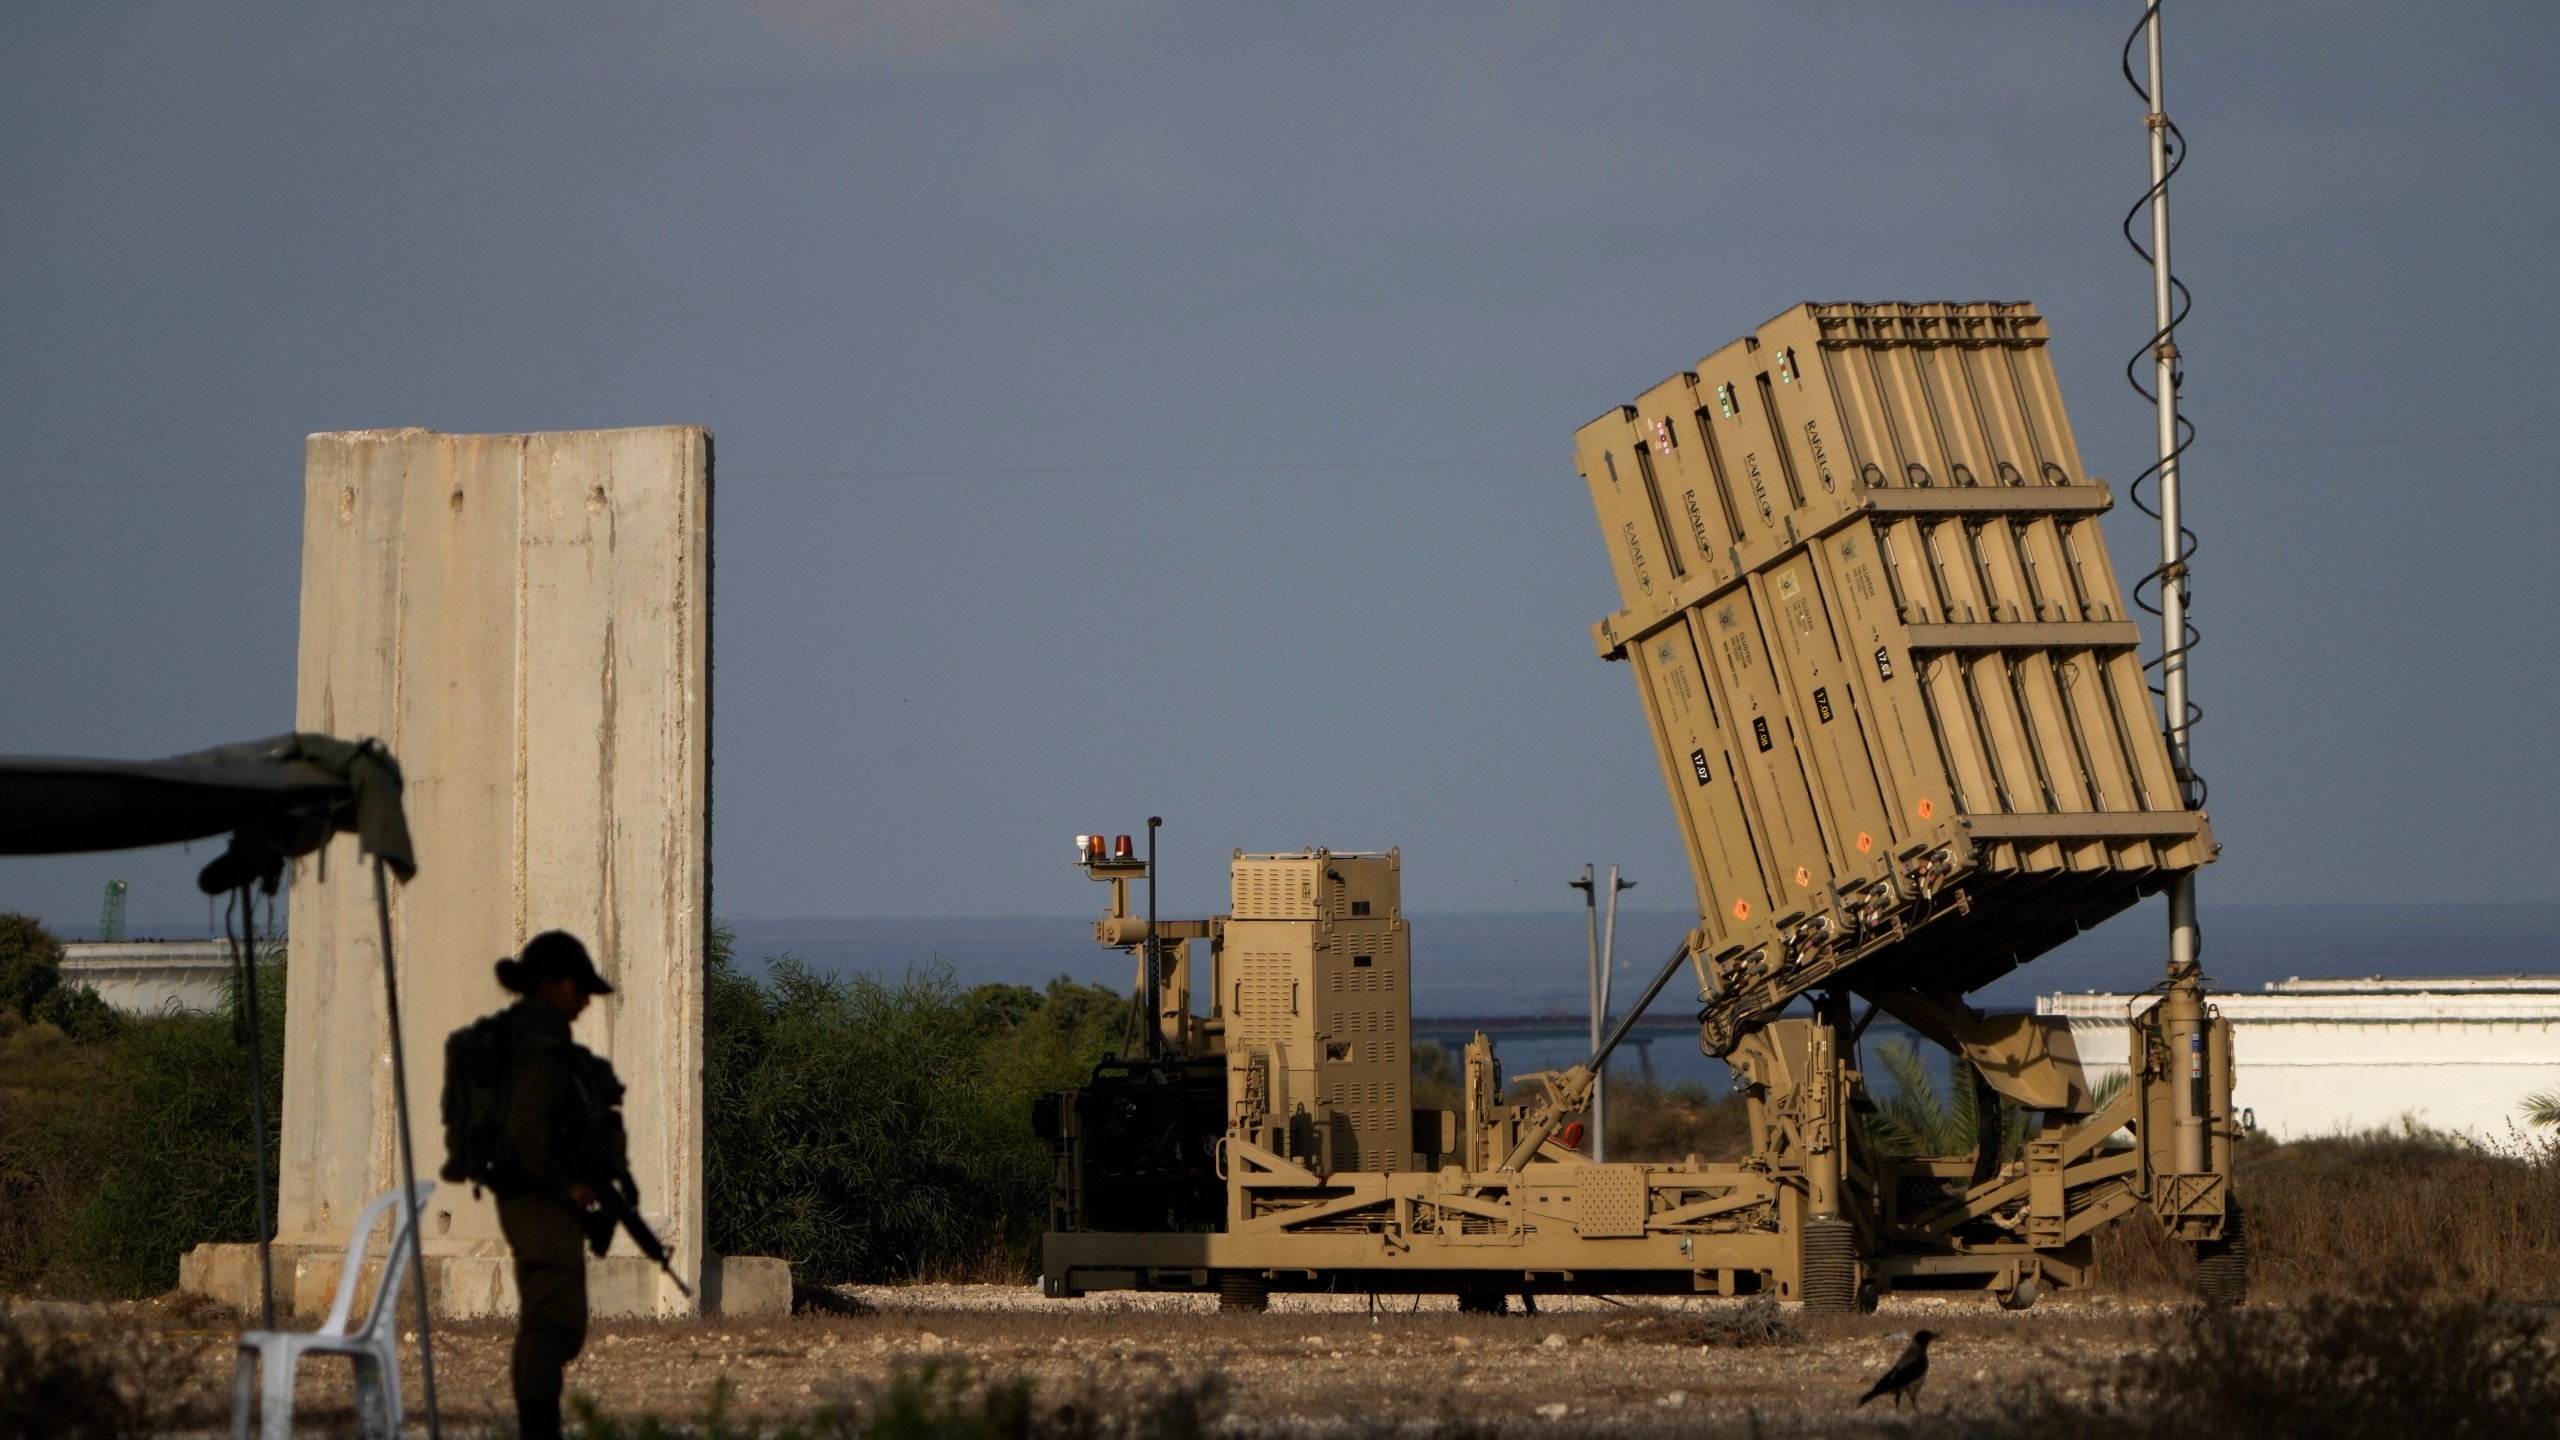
<point>1915,1120</point>
<point>2543,1109</point>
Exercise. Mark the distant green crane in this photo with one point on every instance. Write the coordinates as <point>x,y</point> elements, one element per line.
<point>111,912</point>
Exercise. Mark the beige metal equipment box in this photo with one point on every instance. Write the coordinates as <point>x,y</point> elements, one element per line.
<point>1318,966</point>
<point>1890,674</point>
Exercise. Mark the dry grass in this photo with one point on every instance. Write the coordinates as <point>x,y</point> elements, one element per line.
<point>78,1374</point>
<point>934,1367</point>
<point>2408,1213</point>
<point>2342,1369</point>
<point>1750,1325</point>
<point>938,1400</point>
<point>1652,1122</point>
<point>1297,1371</point>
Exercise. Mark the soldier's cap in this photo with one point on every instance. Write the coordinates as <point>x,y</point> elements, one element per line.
<point>558,955</point>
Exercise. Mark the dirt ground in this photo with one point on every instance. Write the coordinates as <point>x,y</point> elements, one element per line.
<point>1313,1365</point>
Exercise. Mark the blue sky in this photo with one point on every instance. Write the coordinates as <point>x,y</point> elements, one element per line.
<point>1132,408</point>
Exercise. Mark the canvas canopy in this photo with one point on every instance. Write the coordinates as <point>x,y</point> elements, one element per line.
<point>276,798</point>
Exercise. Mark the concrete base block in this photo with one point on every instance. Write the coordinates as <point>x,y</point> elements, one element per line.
<point>229,1273</point>
<point>621,1287</point>
<point>307,1281</point>
<point>747,1286</point>
<point>475,1287</point>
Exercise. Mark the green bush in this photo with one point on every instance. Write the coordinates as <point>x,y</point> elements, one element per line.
<point>861,1129</point>
<point>1439,1077</point>
<point>870,1130</point>
<point>78,1012</point>
<point>30,964</point>
<point>117,1156</point>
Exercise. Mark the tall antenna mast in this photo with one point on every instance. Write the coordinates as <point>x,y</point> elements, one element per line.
<point>2183,1005</point>
<point>2184,938</point>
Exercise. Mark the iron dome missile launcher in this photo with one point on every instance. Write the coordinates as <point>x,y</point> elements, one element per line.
<point>1896,698</point>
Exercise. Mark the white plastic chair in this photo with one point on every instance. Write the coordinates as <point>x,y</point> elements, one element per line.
<point>374,1347</point>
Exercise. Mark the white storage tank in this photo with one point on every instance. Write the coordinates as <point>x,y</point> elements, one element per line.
<point>151,977</point>
<point>2330,1057</point>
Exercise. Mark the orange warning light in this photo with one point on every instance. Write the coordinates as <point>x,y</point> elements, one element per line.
<point>1741,909</point>
<point>1926,809</point>
<point>1866,842</point>
<point>1804,877</point>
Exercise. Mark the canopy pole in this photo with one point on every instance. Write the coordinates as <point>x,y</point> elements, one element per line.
<point>408,1158</point>
<point>244,953</point>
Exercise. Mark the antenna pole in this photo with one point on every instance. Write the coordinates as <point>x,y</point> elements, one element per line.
<point>2183,1006</point>
<point>1608,966</point>
<point>2173,580</point>
<point>1154,950</point>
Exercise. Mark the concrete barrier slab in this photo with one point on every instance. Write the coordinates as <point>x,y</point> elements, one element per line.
<point>525,620</point>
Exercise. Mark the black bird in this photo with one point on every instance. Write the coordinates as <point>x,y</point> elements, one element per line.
<point>1907,1373</point>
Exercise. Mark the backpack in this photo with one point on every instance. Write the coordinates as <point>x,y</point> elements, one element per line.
<point>479,1078</point>
<point>598,1148</point>
<point>479,1088</point>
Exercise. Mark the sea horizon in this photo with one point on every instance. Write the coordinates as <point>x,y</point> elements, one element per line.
<point>1534,962</point>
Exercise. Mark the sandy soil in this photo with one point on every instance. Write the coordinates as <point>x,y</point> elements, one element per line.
<point>1313,1365</point>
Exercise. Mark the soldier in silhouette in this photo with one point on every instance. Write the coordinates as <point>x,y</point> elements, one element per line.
<point>542,1194</point>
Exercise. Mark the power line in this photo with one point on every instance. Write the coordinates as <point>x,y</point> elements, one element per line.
<point>1134,469</point>
<point>1211,468</point>
<point>914,474</point>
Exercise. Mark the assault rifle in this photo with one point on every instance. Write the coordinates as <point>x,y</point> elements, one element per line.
<point>617,1206</point>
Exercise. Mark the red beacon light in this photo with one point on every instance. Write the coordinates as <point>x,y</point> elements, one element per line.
<point>1110,851</point>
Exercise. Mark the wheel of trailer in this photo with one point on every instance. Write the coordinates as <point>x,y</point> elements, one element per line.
<point>2222,1266</point>
<point>1243,1291</point>
<point>1830,1265</point>
<point>1868,1297</point>
<point>1475,1303</point>
<point>2023,1294</point>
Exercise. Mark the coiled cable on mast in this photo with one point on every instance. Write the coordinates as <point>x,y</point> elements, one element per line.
<point>2146,589</point>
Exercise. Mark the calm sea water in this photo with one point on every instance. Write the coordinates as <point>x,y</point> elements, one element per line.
<point>1528,970</point>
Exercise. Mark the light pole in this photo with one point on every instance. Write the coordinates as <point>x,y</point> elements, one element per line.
<point>1608,965</point>
<point>1601,957</point>
<point>1597,979</point>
